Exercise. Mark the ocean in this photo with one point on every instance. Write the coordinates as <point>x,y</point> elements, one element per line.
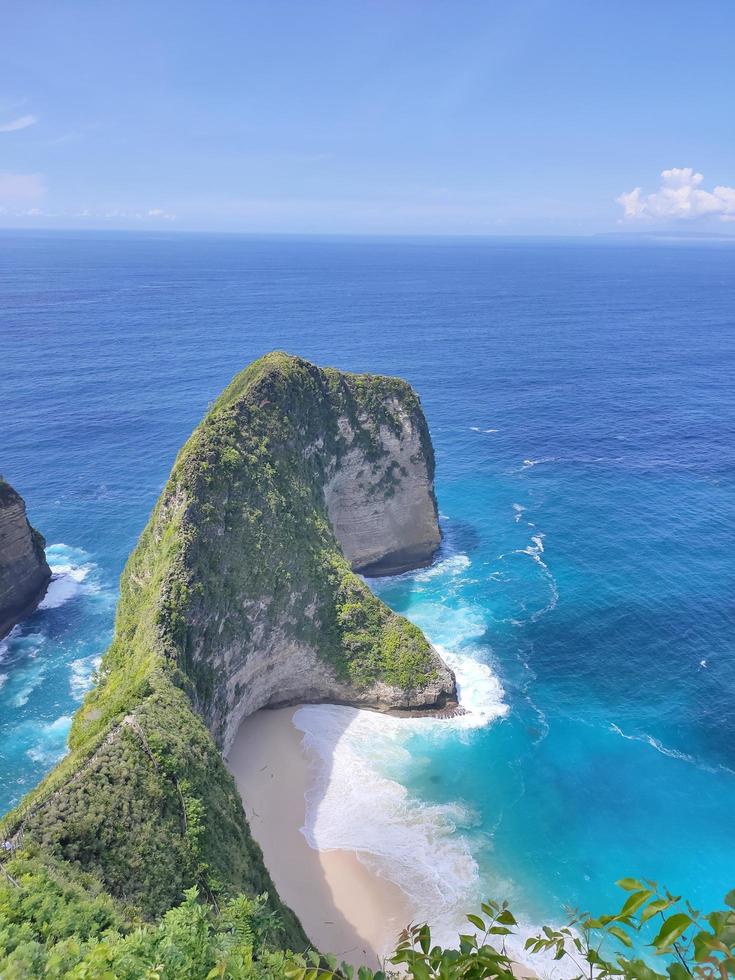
<point>581,400</point>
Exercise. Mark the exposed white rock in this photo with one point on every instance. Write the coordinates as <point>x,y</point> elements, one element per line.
<point>384,513</point>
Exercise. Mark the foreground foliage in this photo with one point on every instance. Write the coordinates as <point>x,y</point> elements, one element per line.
<point>58,927</point>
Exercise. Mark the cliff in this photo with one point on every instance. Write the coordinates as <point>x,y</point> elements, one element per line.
<point>24,573</point>
<point>239,595</point>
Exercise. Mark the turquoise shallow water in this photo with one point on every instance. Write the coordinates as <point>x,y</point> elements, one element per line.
<point>581,402</point>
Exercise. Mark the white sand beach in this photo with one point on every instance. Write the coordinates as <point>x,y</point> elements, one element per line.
<point>344,907</point>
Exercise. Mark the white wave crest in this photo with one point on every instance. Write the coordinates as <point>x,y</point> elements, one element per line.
<point>453,565</point>
<point>528,464</point>
<point>33,671</point>
<point>351,805</point>
<point>480,692</point>
<point>356,800</point>
<point>535,550</point>
<point>81,675</point>
<point>70,568</point>
<point>51,745</point>
<point>658,745</point>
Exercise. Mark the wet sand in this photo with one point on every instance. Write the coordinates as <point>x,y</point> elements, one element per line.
<point>345,908</point>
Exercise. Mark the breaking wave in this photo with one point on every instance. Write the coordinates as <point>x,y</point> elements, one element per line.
<point>358,759</point>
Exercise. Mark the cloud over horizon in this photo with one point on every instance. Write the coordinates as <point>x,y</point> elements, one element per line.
<point>22,122</point>
<point>680,197</point>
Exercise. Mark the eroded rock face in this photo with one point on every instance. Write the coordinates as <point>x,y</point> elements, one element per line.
<point>383,512</point>
<point>24,573</point>
<point>298,476</point>
<point>289,671</point>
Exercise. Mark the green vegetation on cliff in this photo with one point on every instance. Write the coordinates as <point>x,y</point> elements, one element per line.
<point>239,546</point>
<point>56,927</point>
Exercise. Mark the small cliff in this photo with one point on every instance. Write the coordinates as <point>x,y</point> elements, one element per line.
<point>241,594</point>
<point>24,573</point>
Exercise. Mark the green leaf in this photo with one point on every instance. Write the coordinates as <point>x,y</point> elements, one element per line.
<point>730,899</point>
<point>621,935</point>
<point>630,884</point>
<point>420,971</point>
<point>507,918</point>
<point>672,928</point>
<point>476,921</point>
<point>635,901</point>
<point>660,905</point>
<point>678,972</point>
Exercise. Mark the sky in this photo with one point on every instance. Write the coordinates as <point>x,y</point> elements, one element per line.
<point>441,117</point>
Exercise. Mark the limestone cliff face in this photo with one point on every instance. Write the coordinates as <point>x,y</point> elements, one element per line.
<point>383,512</point>
<point>24,573</point>
<point>296,473</point>
<point>357,449</point>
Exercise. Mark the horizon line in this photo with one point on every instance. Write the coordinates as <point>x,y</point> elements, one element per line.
<point>627,236</point>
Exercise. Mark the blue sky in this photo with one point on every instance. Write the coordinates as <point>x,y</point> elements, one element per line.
<point>378,116</point>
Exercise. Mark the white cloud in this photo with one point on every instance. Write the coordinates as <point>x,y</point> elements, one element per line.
<point>16,188</point>
<point>18,191</point>
<point>680,197</point>
<point>22,122</point>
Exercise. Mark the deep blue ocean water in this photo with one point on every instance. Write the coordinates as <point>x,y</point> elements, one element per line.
<point>582,404</point>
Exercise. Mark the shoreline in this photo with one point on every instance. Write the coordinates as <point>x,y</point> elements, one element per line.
<point>345,908</point>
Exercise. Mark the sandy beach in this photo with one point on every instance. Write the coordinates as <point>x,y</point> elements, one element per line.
<point>344,907</point>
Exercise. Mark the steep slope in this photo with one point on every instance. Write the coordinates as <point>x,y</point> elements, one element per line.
<point>24,573</point>
<point>239,596</point>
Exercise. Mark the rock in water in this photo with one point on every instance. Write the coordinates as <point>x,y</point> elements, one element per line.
<point>24,572</point>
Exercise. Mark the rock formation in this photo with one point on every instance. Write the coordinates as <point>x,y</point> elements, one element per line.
<point>24,573</point>
<point>383,510</point>
<point>240,594</point>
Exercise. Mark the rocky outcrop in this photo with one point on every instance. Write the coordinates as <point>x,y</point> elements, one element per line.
<point>24,572</point>
<point>241,594</point>
<point>295,474</point>
<point>383,511</point>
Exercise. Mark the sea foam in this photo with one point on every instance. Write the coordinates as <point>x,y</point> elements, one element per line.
<point>357,800</point>
<point>51,744</point>
<point>70,568</point>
